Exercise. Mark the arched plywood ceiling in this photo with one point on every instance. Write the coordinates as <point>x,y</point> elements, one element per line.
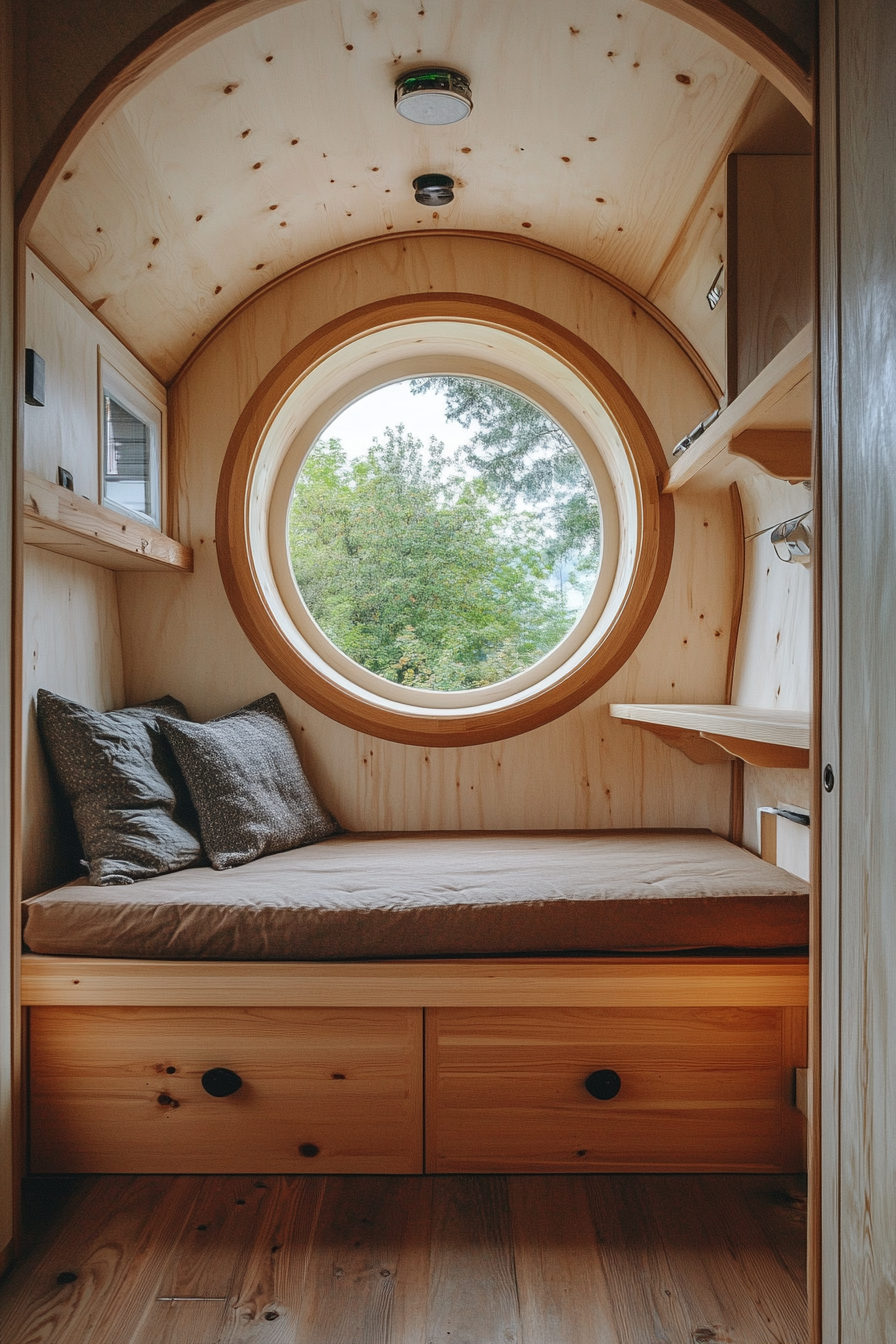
<point>273,142</point>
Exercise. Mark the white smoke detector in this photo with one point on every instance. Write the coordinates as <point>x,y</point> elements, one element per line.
<point>433,97</point>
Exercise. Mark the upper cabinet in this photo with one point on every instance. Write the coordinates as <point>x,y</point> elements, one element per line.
<point>769,261</point>
<point>95,441</point>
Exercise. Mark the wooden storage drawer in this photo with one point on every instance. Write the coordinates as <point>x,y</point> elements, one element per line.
<point>702,1089</point>
<point>120,1090</point>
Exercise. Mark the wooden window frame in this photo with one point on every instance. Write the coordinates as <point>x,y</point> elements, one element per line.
<point>248,589</point>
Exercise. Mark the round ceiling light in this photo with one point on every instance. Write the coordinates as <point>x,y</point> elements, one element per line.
<point>433,97</point>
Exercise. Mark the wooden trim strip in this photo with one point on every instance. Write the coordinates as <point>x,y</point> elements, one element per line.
<point>736,785</point>
<point>616,982</point>
<point>737,600</point>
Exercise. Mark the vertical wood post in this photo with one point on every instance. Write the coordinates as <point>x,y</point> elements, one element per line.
<point>857,498</point>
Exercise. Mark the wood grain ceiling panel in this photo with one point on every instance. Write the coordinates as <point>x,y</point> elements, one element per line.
<point>596,125</point>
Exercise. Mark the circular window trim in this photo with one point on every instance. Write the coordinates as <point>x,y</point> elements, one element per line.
<point>249,479</point>
<point>295,611</point>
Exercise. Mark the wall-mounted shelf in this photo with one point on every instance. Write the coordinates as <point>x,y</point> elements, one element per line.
<point>713,734</point>
<point>767,428</point>
<point>61,521</point>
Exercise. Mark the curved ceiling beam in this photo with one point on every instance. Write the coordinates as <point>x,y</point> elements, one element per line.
<point>738,27</point>
<point>731,23</point>
<point>532,244</point>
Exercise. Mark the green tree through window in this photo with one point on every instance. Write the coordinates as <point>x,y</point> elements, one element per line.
<point>431,570</point>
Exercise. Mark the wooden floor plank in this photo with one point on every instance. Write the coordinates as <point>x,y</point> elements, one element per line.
<point>601,1259</point>
<point>643,1292</point>
<point>116,1241</point>
<point>473,1296</point>
<point>754,1268</point>
<point>269,1284</point>
<point>354,1260</point>
<point>207,1260</point>
<point>413,1274</point>
<point>728,1281</point>
<point>563,1291</point>
<point>779,1205</point>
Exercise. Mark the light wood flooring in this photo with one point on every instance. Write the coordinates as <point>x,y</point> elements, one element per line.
<point>416,1260</point>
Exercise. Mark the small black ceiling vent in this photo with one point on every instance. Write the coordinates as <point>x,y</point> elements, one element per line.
<point>434,189</point>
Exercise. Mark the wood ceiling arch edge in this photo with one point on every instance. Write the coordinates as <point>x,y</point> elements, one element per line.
<point>655,541</point>
<point>731,23</point>
<point>737,26</point>
<point>190,26</point>
<point>533,244</point>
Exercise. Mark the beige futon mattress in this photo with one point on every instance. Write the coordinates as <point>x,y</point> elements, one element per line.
<point>442,894</point>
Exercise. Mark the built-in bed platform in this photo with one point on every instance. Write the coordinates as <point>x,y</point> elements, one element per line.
<point>343,1059</point>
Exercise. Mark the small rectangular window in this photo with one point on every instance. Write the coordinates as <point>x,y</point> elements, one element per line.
<point>131,450</point>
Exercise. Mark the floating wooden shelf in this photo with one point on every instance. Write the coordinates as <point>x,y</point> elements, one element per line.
<point>767,428</point>
<point>712,734</point>
<point>61,521</point>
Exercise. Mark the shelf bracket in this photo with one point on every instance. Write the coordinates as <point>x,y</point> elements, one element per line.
<point>768,755</point>
<point>785,454</point>
<point>696,746</point>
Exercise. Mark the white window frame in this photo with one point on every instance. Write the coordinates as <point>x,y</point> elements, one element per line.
<point>114,383</point>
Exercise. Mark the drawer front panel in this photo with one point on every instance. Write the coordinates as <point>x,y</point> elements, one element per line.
<point>700,1089</point>
<point>120,1090</point>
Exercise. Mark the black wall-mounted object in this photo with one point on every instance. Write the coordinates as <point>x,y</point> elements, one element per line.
<point>221,1082</point>
<point>603,1084</point>
<point>34,378</point>
<point>434,189</point>
<point>67,481</point>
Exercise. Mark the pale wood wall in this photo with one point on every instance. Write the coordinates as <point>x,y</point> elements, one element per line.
<point>774,652</point>
<point>180,636</point>
<point>70,633</point>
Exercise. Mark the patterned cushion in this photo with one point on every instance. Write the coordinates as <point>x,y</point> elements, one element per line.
<point>247,784</point>
<point>131,807</point>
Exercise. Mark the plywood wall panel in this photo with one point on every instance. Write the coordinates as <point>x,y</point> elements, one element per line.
<point>72,645</point>
<point>71,637</point>
<point>681,287</point>
<point>774,664</point>
<point>180,635</point>
<point>774,658</point>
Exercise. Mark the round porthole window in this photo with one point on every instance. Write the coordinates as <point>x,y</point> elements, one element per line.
<point>441,523</point>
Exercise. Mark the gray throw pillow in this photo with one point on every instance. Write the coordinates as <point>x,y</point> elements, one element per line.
<point>131,806</point>
<point>247,784</point>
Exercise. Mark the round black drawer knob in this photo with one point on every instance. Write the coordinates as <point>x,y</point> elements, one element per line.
<point>604,1084</point>
<point>221,1082</point>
